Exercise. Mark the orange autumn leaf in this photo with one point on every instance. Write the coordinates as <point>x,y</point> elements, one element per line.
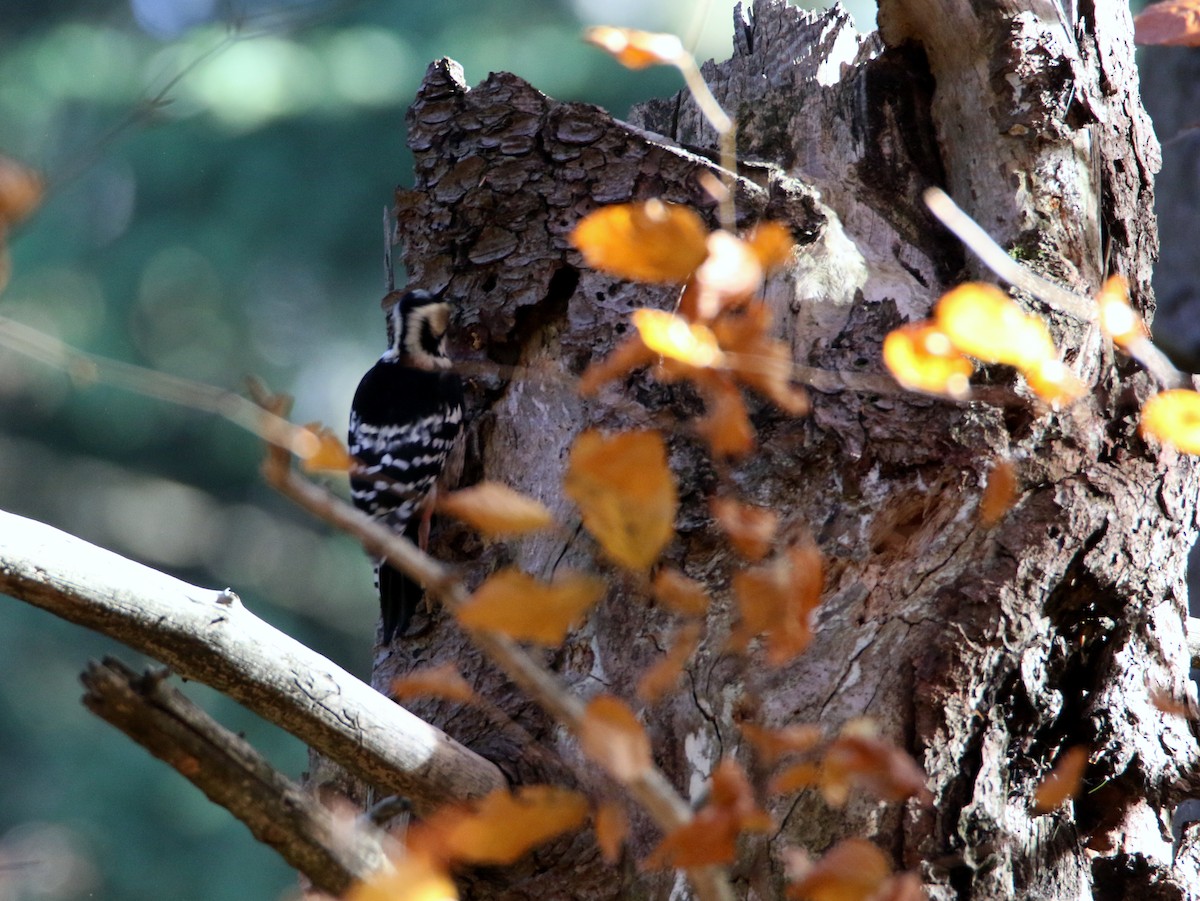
<point>653,241</point>
<point>612,736</point>
<point>1118,319</point>
<point>983,322</point>
<point>921,358</point>
<point>443,681</point>
<point>710,837</point>
<point>1054,383</point>
<point>1063,782</point>
<point>859,757</point>
<point>626,493</point>
<point>684,596</point>
<point>663,675</point>
<point>751,530</point>
<point>20,191</point>
<point>1171,23</point>
<point>411,877</point>
<point>757,360</point>
<point>852,870</point>
<point>772,744</point>
<point>325,452</point>
<point>729,275</point>
<point>725,425</point>
<point>496,510</point>
<point>522,607</point>
<point>502,826</point>
<point>674,337</point>
<point>999,494</point>
<point>635,49</point>
<point>627,356</point>
<point>778,599</point>
<point>612,827</point>
<point>1173,417</point>
<point>772,244</point>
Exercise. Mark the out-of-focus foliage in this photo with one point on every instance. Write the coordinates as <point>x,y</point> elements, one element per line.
<point>214,194</point>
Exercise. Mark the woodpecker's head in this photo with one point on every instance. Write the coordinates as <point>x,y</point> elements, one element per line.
<point>416,325</point>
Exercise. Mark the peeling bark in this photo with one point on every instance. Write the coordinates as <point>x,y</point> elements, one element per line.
<point>985,652</point>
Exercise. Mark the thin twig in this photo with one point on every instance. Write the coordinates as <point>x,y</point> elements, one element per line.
<point>1144,350</point>
<point>651,789</point>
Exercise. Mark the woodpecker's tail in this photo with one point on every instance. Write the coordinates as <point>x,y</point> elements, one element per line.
<point>398,599</point>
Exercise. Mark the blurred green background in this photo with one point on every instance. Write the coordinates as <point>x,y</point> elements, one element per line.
<point>217,173</point>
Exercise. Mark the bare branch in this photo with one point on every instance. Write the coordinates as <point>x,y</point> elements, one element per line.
<point>333,853</point>
<point>210,637</point>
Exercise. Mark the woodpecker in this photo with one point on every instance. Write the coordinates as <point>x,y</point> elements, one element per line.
<point>405,418</point>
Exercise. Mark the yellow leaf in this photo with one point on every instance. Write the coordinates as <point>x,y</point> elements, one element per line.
<point>675,337</point>
<point>1170,23</point>
<point>1063,782</point>
<point>1054,383</point>
<point>1118,319</point>
<point>921,358</point>
<point>625,492</point>
<point>636,49</point>
<point>413,877</point>
<point>501,827</point>
<point>444,681</point>
<point>524,608</point>
<point>326,453</point>
<point>762,362</point>
<point>496,510</point>
<point>729,275</point>
<point>612,736</point>
<point>630,354</point>
<point>1173,417</point>
<point>984,322</point>
<point>646,242</point>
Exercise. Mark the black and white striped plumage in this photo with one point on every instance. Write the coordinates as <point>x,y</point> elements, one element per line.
<point>406,416</point>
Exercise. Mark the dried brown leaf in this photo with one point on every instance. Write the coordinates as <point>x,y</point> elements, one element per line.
<point>999,494</point>
<point>663,675</point>
<point>773,744</point>
<point>751,530</point>
<point>778,598</point>
<point>443,681</point>
<point>1063,782</point>
<point>685,596</point>
<point>852,870</point>
<point>612,736</point>
<point>612,827</point>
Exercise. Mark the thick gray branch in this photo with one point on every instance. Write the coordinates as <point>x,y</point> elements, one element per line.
<point>231,773</point>
<point>210,637</point>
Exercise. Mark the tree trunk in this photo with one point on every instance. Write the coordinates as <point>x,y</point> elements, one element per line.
<point>985,652</point>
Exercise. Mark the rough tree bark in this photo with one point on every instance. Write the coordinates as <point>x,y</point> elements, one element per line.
<point>985,652</point>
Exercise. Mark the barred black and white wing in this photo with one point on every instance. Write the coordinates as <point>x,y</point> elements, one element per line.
<point>404,422</point>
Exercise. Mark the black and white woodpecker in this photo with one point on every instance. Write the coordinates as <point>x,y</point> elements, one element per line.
<point>405,419</point>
